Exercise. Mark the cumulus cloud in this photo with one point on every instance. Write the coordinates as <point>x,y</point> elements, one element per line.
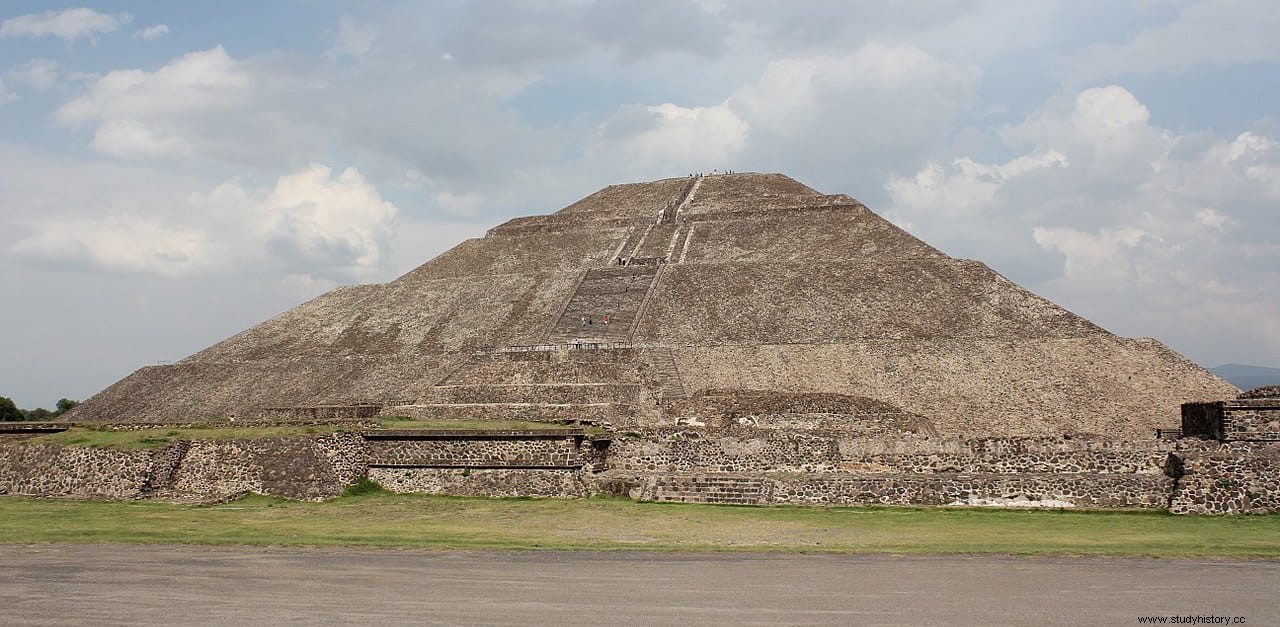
<point>645,140</point>
<point>204,104</point>
<point>68,24</point>
<point>319,224</point>
<point>197,80</point>
<point>152,32</point>
<point>38,73</point>
<point>6,96</point>
<point>881,106</point>
<point>1139,226</point>
<point>310,222</point>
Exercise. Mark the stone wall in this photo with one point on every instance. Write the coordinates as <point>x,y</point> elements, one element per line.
<point>1045,490</point>
<point>1252,419</point>
<point>1255,419</point>
<point>812,411</point>
<point>1232,478</point>
<point>1001,490</point>
<point>615,413</point>
<point>560,366</point>
<point>763,450</point>
<point>50,470</point>
<point>749,466</point>
<point>572,393</point>
<point>293,467</point>
<point>483,482</point>
<point>477,452</point>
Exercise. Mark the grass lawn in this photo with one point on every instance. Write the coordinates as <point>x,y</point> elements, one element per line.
<point>410,521</point>
<point>152,438</point>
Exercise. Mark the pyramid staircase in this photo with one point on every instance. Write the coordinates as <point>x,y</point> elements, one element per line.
<point>669,385</point>
<point>617,292</point>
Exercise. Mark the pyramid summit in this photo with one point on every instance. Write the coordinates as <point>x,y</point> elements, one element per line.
<point>642,304</point>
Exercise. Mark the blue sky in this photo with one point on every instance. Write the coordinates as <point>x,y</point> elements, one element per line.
<point>172,173</point>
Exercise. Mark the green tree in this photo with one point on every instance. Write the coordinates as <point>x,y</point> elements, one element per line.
<point>64,406</point>
<point>8,411</point>
<point>38,414</point>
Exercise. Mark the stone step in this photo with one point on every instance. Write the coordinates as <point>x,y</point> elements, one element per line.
<point>590,413</point>
<point>658,242</point>
<point>617,292</point>
<point>669,386</point>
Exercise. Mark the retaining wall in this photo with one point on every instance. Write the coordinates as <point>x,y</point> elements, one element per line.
<point>762,450</point>
<point>555,482</point>
<point>297,467</point>
<point>477,452</point>
<point>748,466</point>
<point>1228,479</point>
<point>970,489</point>
<point>1235,420</point>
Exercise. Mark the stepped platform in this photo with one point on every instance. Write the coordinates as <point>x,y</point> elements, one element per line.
<point>582,413</point>
<point>532,393</point>
<point>1032,490</point>
<point>750,281</point>
<point>32,428</point>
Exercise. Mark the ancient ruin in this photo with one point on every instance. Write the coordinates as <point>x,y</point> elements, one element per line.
<point>731,338</point>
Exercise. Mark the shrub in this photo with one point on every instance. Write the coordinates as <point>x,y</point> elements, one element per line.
<point>364,486</point>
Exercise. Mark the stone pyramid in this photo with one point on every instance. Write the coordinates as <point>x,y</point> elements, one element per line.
<point>742,282</point>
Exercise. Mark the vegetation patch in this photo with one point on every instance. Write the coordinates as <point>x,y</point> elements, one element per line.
<point>368,516</point>
<point>364,486</point>
<point>154,438</point>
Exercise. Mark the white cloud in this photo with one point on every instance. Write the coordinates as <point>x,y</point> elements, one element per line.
<point>128,244</point>
<point>38,73</point>
<point>1132,225</point>
<point>1204,33</point>
<point>162,113</point>
<point>309,223</point>
<point>130,138</point>
<point>669,138</point>
<point>152,32</point>
<point>1097,259</point>
<point>197,80</point>
<point>318,223</point>
<point>800,114</point>
<point>68,24</point>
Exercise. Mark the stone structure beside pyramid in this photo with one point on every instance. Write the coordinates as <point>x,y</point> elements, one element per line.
<point>731,338</point>
<point>745,281</point>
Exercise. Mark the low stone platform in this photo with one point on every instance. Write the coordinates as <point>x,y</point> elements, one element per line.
<point>1038,490</point>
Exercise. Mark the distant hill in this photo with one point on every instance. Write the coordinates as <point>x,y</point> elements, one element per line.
<point>1248,377</point>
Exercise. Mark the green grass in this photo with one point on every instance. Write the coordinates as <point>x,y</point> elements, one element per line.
<point>152,438</point>
<point>373,518</point>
